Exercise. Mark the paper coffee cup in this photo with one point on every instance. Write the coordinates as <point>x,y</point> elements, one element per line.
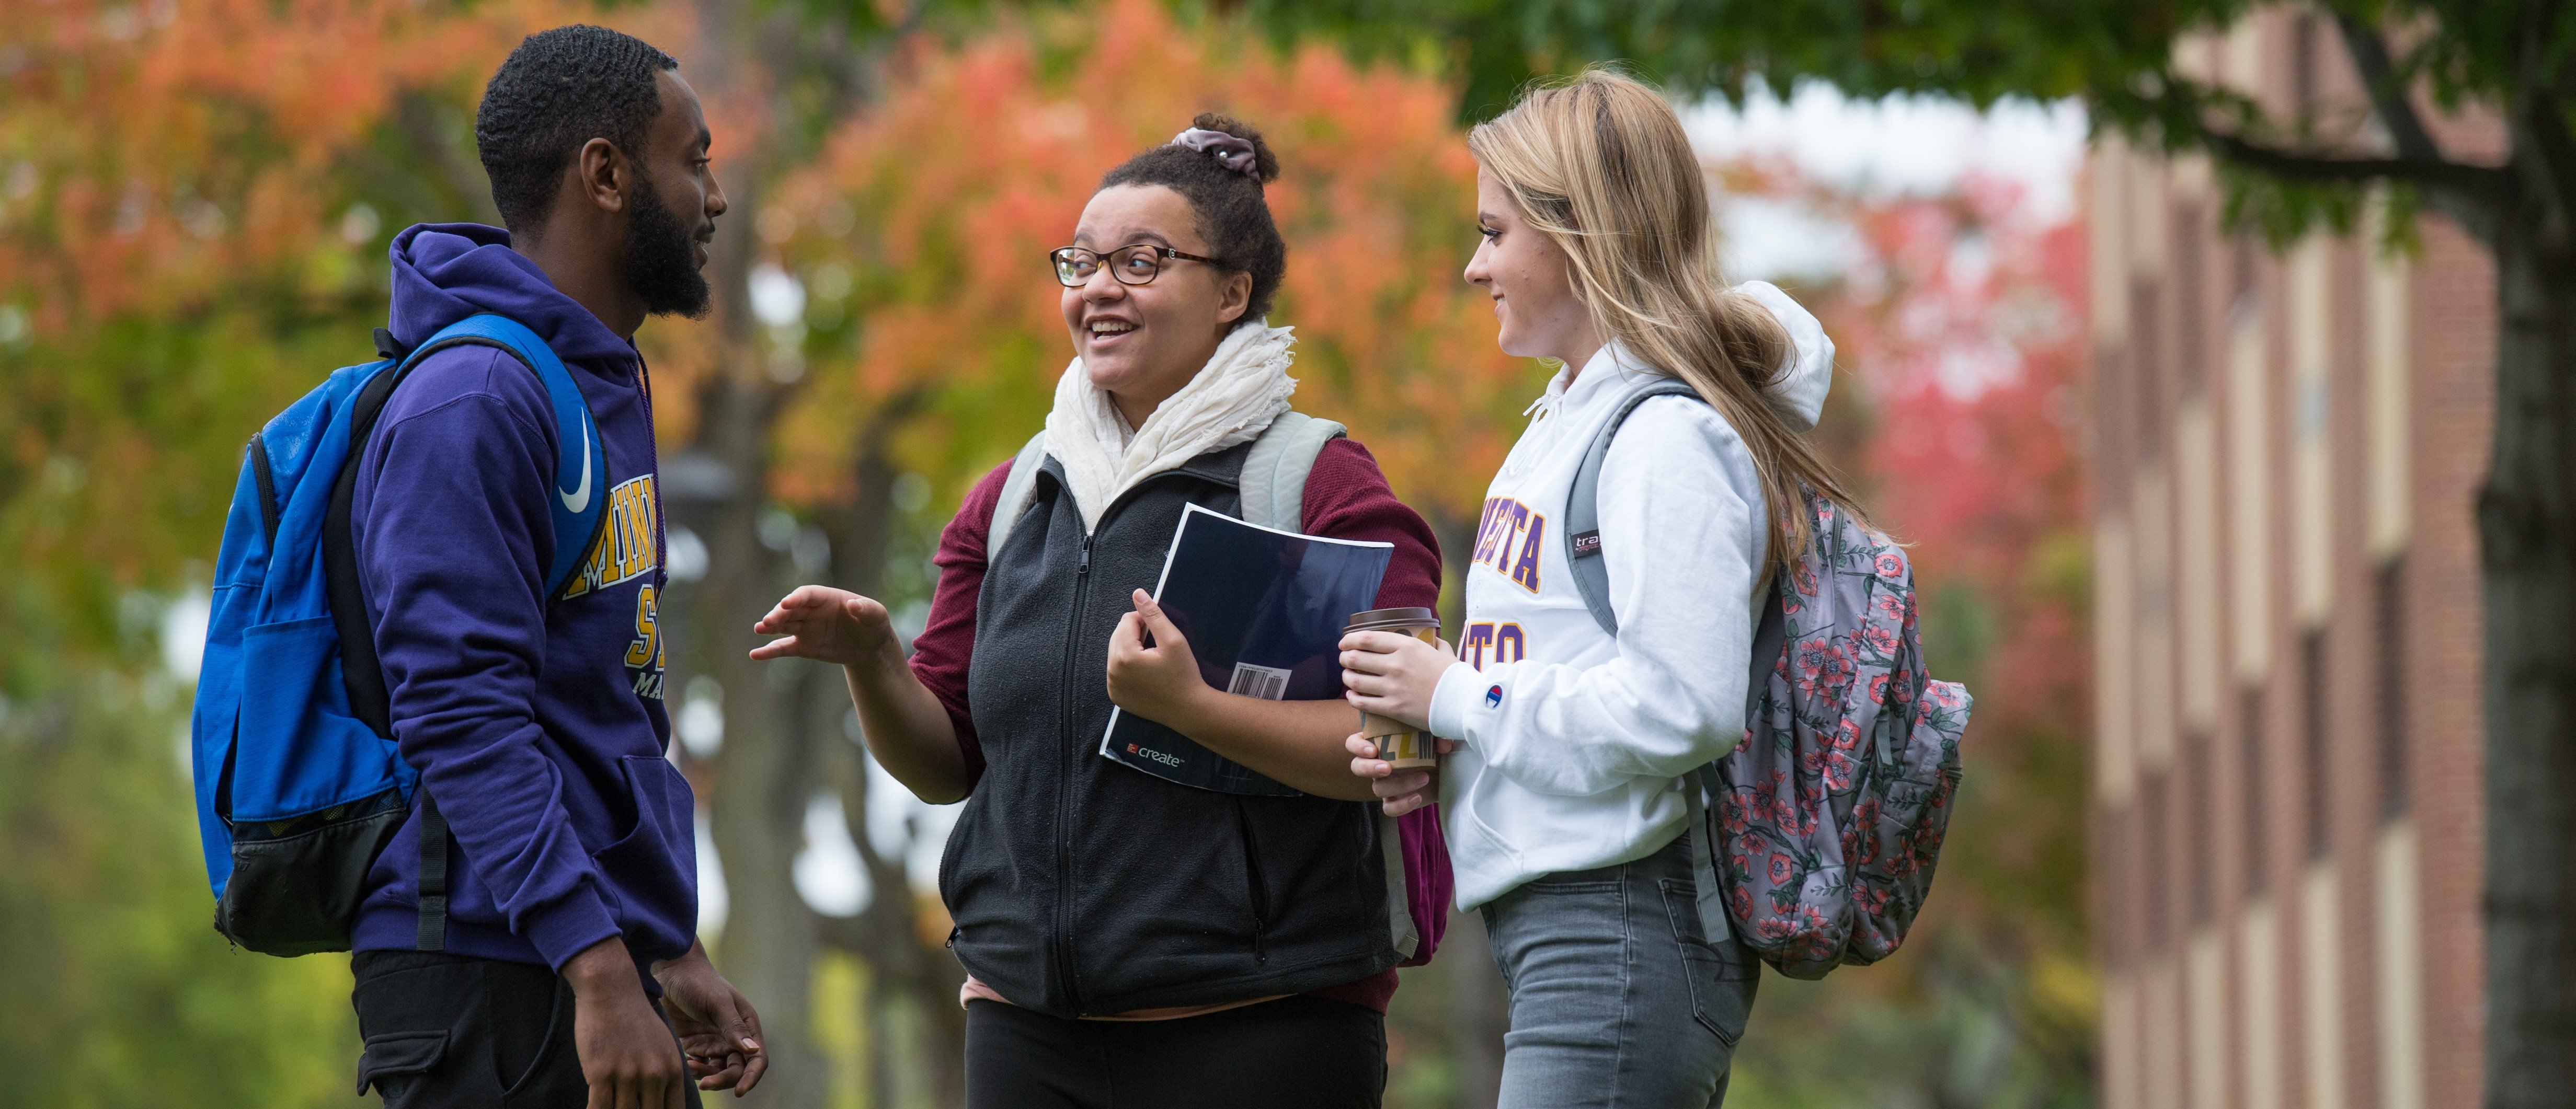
<point>1404,747</point>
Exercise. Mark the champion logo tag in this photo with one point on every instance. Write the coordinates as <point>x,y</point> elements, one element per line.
<point>1494,697</point>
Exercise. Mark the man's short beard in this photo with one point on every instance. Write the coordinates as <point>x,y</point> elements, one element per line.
<point>661,262</point>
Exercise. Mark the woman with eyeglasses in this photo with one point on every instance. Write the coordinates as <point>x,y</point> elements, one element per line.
<point>1125,936</point>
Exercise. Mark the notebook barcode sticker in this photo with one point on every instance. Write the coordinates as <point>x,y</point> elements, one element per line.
<point>1266,682</point>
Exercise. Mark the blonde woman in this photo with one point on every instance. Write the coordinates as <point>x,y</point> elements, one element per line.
<point>1565,817</point>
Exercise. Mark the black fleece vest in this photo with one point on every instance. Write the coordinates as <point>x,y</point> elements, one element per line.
<point>1083,887</point>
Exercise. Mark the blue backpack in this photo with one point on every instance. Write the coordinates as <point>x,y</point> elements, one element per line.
<point>299,785</point>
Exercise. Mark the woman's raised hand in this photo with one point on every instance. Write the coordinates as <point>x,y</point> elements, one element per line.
<point>826,624</point>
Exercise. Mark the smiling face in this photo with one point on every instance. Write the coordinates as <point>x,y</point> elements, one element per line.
<point>1142,343</point>
<point>1531,281</point>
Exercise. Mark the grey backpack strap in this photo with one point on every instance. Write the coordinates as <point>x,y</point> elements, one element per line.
<point>1274,471</point>
<point>1015,495</point>
<point>1583,504</point>
<point>1400,932</point>
<point>1708,890</point>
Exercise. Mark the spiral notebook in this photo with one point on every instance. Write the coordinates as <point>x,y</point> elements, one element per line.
<point>1263,611</point>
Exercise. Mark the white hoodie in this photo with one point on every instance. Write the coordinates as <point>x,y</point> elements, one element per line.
<point>1574,740</point>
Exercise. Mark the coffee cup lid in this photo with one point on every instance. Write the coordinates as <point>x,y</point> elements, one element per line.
<point>1392,618</point>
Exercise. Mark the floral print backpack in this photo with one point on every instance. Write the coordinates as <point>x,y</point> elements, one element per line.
<point>1822,826</point>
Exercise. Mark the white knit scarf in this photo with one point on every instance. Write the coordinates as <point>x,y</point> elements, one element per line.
<point>1243,387</point>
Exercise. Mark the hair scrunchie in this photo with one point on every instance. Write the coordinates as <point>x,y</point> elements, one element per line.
<point>1230,151</point>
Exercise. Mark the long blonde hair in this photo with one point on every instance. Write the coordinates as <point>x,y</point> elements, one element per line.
<point>1599,163</point>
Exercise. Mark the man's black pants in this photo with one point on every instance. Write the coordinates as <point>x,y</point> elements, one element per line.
<point>456,1032</point>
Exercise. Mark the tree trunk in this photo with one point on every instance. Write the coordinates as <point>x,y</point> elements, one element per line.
<point>916,1033</point>
<point>2527,548</point>
<point>765,773</point>
<point>907,977</point>
<point>783,731</point>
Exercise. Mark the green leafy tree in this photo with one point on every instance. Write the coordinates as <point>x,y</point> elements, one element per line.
<point>2289,167</point>
<point>133,1000</point>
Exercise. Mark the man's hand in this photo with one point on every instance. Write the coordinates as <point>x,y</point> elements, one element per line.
<point>1394,676</point>
<point>820,622</point>
<point>717,1026</point>
<point>1399,793</point>
<point>626,1054</point>
<point>1157,682</point>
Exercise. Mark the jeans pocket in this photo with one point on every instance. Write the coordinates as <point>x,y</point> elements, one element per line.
<point>1721,988</point>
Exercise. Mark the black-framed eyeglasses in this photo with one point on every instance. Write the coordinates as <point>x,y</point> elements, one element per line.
<point>1135,264</point>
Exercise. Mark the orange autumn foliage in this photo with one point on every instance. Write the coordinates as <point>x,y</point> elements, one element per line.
<point>173,151</point>
<point>930,218</point>
<point>195,200</point>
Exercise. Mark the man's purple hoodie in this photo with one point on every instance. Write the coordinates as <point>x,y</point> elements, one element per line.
<point>536,723</point>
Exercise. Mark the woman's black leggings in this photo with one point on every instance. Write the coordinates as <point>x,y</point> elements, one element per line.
<point>1301,1052</point>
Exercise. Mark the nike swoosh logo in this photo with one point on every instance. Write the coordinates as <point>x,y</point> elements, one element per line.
<point>579,499</point>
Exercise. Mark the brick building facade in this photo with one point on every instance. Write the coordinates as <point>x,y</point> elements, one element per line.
<point>2287,827</point>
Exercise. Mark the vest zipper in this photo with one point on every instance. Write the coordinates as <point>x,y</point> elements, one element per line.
<point>1059,943</point>
<point>1064,785</point>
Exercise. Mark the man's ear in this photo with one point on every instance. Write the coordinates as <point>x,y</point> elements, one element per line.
<point>1238,297</point>
<point>604,174</point>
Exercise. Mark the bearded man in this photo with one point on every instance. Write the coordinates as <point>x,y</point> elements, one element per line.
<point>530,937</point>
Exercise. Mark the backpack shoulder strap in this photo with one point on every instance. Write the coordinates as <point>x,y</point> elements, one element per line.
<point>576,512</point>
<point>1273,484</point>
<point>1583,504</point>
<point>1016,490</point>
<point>578,502</point>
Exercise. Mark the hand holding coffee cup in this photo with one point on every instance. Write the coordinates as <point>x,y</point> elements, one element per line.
<point>1400,791</point>
<point>1391,680</point>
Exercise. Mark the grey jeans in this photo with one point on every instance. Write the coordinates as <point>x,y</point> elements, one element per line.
<point>1617,1002</point>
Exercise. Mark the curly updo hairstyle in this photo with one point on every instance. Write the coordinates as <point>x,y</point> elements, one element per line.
<point>1232,214</point>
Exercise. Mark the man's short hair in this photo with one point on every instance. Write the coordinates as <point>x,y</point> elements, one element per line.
<point>559,90</point>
